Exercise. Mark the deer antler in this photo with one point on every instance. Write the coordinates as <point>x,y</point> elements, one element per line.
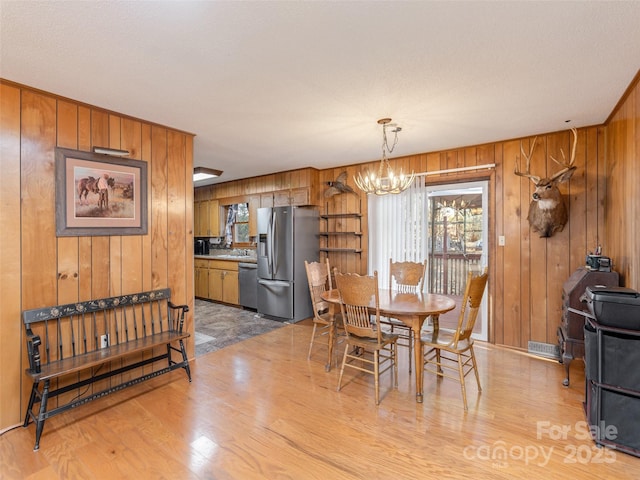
<point>567,166</point>
<point>527,174</point>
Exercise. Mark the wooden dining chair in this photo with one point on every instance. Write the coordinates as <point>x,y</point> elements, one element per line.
<point>325,323</point>
<point>405,277</point>
<point>364,337</point>
<point>453,351</point>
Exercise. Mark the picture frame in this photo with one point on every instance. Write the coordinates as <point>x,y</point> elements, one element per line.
<point>99,195</point>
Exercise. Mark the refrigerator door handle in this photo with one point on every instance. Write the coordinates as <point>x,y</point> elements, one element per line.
<point>274,283</point>
<point>274,246</point>
<point>270,245</point>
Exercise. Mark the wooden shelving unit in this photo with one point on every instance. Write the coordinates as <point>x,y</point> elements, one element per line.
<point>329,234</point>
<point>343,250</point>
<point>341,215</point>
<point>334,235</point>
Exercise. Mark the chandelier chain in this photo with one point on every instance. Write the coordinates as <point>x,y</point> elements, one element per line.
<point>385,144</point>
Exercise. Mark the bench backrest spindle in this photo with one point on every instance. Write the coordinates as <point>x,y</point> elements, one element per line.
<point>73,336</point>
<point>84,332</point>
<point>47,346</point>
<point>59,331</point>
<point>125,324</point>
<point>95,332</point>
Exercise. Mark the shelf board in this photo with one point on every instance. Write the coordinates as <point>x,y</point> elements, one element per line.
<point>326,234</point>
<point>344,250</point>
<point>341,215</point>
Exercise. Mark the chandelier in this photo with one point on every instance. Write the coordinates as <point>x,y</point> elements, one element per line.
<point>385,181</point>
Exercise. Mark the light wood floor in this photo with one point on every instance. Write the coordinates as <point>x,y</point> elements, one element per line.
<point>259,409</point>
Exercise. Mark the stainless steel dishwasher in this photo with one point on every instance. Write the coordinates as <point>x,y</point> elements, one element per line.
<point>248,284</point>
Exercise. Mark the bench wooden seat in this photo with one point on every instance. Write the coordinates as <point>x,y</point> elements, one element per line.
<point>67,351</point>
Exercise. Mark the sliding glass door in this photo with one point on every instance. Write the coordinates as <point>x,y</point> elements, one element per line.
<point>446,224</point>
<point>457,240</point>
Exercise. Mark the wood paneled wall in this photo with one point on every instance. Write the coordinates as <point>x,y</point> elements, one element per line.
<point>39,269</point>
<point>526,275</point>
<point>623,187</point>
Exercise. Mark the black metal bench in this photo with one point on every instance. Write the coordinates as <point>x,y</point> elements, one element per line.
<point>82,351</point>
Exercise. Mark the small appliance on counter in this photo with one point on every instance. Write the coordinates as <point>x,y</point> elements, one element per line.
<point>201,247</point>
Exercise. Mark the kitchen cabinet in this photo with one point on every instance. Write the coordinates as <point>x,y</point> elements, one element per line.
<point>201,278</point>
<point>301,196</point>
<point>200,218</point>
<point>295,196</point>
<point>223,281</point>
<point>254,204</point>
<point>215,228</point>
<point>207,219</point>
<point>266,200</point>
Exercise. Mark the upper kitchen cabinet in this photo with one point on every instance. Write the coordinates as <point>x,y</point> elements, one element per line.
<point>266,200</point>
<point>216,227</point>
<point>297,187</point>
<point>294,196</point>
<point>199,228</point>
<point>207,219</point>
<point>254,204</point>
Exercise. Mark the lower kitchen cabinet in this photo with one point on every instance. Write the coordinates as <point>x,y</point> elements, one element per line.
<point>223,281</point>
<point>201,278</point>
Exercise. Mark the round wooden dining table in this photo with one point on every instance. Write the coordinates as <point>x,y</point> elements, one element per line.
<point>410,308</point>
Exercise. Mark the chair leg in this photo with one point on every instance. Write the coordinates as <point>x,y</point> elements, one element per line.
<point>376,374</point>
<point>411,339</point>
<point>344,360</point>
<point>464,390</point>
<point>330,344</point>
<point>475,368</point>
<point>313,336</point>
<point>394,350</point>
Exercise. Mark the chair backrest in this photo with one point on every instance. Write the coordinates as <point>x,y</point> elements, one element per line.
<point>471,300</point>
<point>319,278</point>
<point>407,277</point>
<point>357,294</point>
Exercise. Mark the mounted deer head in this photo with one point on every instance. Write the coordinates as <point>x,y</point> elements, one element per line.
<point>547,211</point>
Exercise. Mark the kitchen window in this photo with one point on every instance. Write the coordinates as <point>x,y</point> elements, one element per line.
<point>241,225</point>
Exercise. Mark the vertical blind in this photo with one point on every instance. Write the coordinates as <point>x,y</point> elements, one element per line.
<point>397,229</point>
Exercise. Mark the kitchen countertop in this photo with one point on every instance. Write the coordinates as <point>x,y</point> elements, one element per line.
<point>231,258</point>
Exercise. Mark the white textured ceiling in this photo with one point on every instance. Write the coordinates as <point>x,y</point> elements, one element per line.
<point>273,86</point>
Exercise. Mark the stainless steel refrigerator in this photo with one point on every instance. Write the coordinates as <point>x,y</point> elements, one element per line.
<point>287,236</point>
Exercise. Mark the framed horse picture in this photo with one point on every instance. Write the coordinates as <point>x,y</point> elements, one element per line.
<point>99,195</point>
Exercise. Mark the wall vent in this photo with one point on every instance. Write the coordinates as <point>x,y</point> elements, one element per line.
<point>546,350</point>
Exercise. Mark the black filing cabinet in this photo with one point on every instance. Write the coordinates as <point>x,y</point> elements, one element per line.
<point>612,397</point>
